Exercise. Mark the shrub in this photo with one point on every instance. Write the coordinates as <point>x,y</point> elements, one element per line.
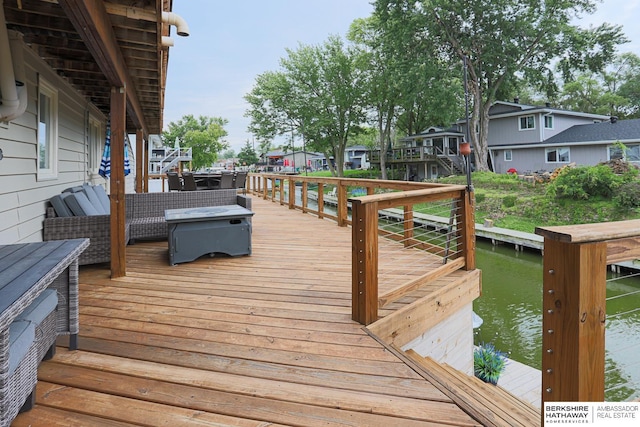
<point>627,196</point>
<point>509,201</point>
<point>488,363</point>
<point>583,183</point>
<point>480,197</point>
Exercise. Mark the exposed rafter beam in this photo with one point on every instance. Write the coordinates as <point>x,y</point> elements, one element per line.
<point>92,22</point>
<point>131,12</point>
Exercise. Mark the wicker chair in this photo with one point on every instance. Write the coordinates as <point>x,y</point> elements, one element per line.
<point>226,180</point>
<point>240,181</point>
<point>189,182</point>
<point>174,181</point>
<point>29,326</point>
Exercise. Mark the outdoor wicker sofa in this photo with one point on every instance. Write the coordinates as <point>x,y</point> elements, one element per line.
<point>38,302</point>
<point>144,219</point>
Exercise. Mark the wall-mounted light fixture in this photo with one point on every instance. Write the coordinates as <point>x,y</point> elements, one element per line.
<point>1,155</point>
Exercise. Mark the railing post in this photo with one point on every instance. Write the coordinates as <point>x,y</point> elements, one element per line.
<point>342,205</point>
<point>304,196</point>
<point>292,193</point>
<point>265,182</point>
<point>467,229</point>
<point>364,259</point>
<point>408,225</point>
<point>573,321</point>
<point>320,200</point>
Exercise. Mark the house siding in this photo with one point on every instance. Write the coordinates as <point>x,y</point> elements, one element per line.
<point>23,198</point>
<point>534,159</point>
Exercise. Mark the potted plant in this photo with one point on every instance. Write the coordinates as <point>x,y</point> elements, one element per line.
<point>488,363</point>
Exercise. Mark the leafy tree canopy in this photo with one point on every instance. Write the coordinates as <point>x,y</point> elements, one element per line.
<point>316,95</point>
<point>507,40</point>
<point>204,135</point>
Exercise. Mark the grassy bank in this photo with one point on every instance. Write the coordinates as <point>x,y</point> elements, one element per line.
<point>519,205</point>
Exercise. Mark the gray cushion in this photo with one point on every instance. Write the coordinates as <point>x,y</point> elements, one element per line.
<point>21,336</point>
<point>93,198</point>
<point>41,307</point>
<point>59,204</point>
<point>80,204</point>
<point>104,198</point>
<point>75,189</point>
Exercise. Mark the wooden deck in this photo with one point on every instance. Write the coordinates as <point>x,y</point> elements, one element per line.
<point>262,340</point>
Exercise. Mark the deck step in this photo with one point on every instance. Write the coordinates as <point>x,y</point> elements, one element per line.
<point>501,408</point>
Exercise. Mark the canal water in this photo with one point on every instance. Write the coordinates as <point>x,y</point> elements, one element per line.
<point>511,308</point>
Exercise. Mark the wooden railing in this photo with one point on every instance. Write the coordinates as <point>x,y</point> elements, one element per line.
<point>389,199</point>
<point>574,305</point>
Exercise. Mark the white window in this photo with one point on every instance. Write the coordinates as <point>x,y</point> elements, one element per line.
<point>508,155</point>
<point>526,123</point>
<point>558,155</point>
<point>631,152</point>
<point>47,130</point>
<point>548,122</point>
<point>94,144</point>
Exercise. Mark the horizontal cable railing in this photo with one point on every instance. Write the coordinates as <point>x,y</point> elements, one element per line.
<point>622,366</point>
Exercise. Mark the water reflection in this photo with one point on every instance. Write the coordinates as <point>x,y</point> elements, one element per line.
<point>511,307</point>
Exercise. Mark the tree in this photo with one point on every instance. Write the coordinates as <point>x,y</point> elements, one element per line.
<point>247,155</point>
<point>588,93</point>
<point>504,40</point>
<point>203,135</point>
<point>316,95</point>
<point>408,87</point>
<point>627,66</point>
<point>228,154</point>
<point>614,91</point>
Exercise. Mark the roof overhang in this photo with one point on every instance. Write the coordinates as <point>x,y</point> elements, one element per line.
<point>97,45</point>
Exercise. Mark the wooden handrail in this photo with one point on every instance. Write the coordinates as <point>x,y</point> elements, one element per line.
<point>574,305</point>
<point>365,211</point>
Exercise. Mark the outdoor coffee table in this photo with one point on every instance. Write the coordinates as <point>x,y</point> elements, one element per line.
<point>194,232</point>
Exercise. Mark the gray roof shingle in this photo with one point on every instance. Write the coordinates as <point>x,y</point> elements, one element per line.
<point>622,130</point>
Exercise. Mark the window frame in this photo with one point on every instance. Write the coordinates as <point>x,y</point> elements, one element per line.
<point>551,120</point>
<point>547,151</point>
<point>533,122</point>
<point>623,154</point>
<point>47,132</point>
<point>95,138</point>
<point>510,157</point>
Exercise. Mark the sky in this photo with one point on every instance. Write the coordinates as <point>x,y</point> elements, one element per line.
<point>232,42</point>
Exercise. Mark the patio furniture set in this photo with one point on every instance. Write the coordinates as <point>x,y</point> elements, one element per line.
<point>39,281</point>
<point>190,181</point>
<point>38,302</point>
<point>145,215</point>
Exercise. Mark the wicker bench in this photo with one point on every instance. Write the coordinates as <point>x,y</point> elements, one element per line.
<point>38,302</point>
<point>144,219</point>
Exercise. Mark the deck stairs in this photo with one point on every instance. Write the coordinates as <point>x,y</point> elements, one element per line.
<point>422,303</point>
<point>453,167</point>
<point>501,408</point>
<point>174,158</point>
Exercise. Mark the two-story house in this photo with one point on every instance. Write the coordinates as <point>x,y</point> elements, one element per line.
<point>521,137</point>
<point>528,138</point>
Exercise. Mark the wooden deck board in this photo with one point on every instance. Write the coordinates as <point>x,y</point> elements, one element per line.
<point>250,341</point>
